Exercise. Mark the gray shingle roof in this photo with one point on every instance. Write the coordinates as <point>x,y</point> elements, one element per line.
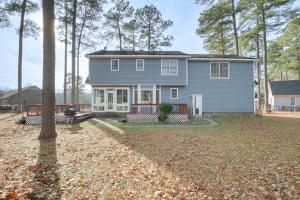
<point>219,56</point>
<point>285,87</point>
<point>162,53</point>
<point>108,52</point>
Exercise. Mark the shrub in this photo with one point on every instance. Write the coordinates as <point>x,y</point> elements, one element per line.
<point>164,110</point>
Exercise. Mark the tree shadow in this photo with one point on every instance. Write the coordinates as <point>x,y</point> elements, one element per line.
<point>46,176</point>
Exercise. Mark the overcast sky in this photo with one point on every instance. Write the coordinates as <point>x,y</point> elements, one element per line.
<point>184,14</point>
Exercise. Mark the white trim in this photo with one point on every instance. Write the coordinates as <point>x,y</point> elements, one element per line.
<point>137,56</point>
<point>176,93</point>
<point>114,90</point>
<point>169,61</point>
<point>111,61</point>
<point>222,59</point>
<point>136,65</point>
<point>220,71</point>
<point>187,72</point>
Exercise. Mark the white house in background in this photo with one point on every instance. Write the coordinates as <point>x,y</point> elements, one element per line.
<point>284,93</point>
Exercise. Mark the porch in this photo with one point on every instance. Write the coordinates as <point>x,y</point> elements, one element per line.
<point>33,114</point>
<point>150,112</point>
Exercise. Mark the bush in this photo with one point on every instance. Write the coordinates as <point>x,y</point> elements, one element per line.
<point>164,110</point>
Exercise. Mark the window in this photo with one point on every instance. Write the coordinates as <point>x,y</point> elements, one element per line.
<point>98,100</point>
<point>139,65</point>
<point>174,93</point>
<point>219,70</point>
<point>169,67</point>
<point>122,100</point>
<point>115,65</point>
<point>146,96</point>
<point>293,101</point>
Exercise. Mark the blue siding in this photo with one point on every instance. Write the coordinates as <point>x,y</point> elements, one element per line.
<point>101,74</point>
<point>219,95</point>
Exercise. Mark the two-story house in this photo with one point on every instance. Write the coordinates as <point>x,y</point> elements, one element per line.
<point>123,81</point>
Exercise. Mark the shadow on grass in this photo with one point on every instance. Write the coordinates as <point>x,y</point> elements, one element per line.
<point>46,176</point>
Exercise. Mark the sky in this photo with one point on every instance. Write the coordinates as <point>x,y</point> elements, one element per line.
<point>183,13</point>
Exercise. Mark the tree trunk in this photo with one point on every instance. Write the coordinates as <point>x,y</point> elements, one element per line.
<point>120,36</point>
<point>66,53</point>
<point>236,39</point>
<point>48,107</point>
<point>73,50</point>
<point>20,56</point>
<point>258,64</point>
<point>265,57</point>
<point>77,77</point>
<point>149,36</point>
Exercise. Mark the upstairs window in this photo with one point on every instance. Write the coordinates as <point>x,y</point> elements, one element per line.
<point>114,65</point>
<point>169,67</point>
<point>219,70</point>
<point>139,65</point>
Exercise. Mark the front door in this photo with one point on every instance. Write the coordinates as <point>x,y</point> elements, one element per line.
<point>110,100</point>
<point>197,105</point>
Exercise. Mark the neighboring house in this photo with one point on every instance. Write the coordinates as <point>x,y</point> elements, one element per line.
<point>31,95</point>
<point>123,80</point>
<point>284,94</point>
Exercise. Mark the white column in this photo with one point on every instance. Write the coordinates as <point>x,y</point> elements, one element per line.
<point>154,94</point>
<point>139,94</point>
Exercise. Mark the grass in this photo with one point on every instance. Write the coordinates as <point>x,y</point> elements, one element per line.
<point>240,158</point>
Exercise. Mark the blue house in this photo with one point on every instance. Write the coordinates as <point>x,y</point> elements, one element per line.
<point>136,82</point>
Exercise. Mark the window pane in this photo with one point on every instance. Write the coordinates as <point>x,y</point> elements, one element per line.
<point>99,108</point>
<point>115,64</point>
<point>165,67</point>
<point>224,70</point>
<point>146,96</point>
<point>135,96</point>
<point>157,96</point>
<point>174,93</point>
<point>98,96</point>
<point>293,101</point>
<point>173,63</point>
<point>119,96</point>
<point>122,108</point>
<point>165,71</point>
<point>140,65</point>
<point>173,70</point>
<point>125,96</point>
<point>214,69</point>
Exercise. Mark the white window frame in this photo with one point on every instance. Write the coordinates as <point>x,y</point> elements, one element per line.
<point>111,65</point>
<point>219,77</point>
<point>136,67</point>
<point>294,101</point>
<point>169,66</point>
<point>171,97</point>
<point>115,99</point>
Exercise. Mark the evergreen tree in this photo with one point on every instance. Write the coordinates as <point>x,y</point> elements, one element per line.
<point>215,25</point>
<point>132,36</point>
<point>115,19</point>
<point>153,27</point>
<point>27,28</point>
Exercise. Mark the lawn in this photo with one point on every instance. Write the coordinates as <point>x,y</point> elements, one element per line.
<point>240,158</point>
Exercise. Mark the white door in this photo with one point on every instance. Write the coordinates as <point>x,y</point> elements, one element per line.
<point>110,101</point>
<point>197,105</point>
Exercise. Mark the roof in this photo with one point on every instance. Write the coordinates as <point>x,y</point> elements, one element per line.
<point>12,93</point>
<point>285,87</point>
<point>106,52</point>
<point>132,54</point>
<point>219,56</point>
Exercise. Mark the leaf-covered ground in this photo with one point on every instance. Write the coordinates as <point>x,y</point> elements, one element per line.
<point>241,158</point>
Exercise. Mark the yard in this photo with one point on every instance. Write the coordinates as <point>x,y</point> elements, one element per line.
<point>241,158</point>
